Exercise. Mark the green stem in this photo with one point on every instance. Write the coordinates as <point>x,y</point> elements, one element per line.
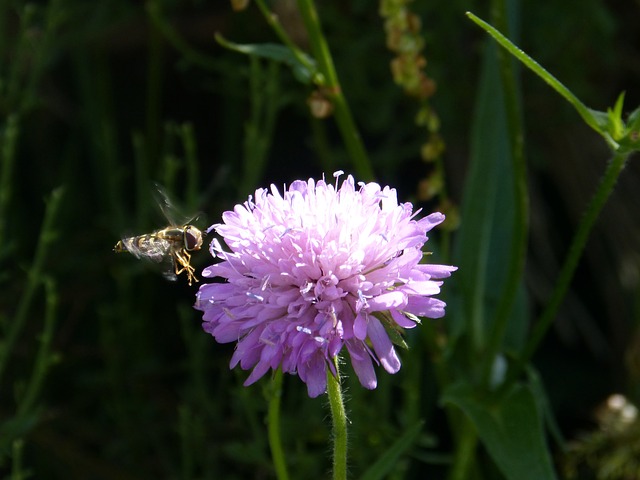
<point>344,119</point>
<point>265,103</point>
<point>185,430</point>
<point>34,278</point>
<point>603,192</point>
<point>190,147</point>
<point>465,452</point>
<point>9,139</point>
<point>463,430</point>
<point>17,451</point>
<point>274,22</point>
<point>518,251</point>
<point>273,424</point>
<point>190,54</point>
<point>339,418</point>
<point>44,357</point>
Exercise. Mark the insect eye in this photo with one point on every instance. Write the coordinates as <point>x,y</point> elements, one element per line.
<point>192,238</point>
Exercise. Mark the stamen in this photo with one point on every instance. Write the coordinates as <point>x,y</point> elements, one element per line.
<point>285,232</point>
<point>332,314</point>
<point>306,288</point>
<point>259,298</point>
<point>336,175</point>
<point>362,300</point>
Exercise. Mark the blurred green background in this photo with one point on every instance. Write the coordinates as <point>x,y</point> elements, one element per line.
<point>99,99</point>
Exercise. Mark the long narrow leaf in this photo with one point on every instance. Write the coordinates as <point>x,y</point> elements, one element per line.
<point>304,70</point>
<point>595,119</point>
<point>482,249</point>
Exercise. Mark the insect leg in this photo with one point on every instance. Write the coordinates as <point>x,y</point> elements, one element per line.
<point>182,258</point>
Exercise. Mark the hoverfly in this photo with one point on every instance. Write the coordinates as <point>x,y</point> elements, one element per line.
<point>176,241</point>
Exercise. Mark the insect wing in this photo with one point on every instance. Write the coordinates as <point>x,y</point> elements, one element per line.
<point>170,272</point>
<point>168,208</point>
<point>173,243</point>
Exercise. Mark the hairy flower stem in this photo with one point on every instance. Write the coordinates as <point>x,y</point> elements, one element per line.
<point>344,119</point>
<point>339,419</point>
<point>592,212</point>
<point>273,424</point>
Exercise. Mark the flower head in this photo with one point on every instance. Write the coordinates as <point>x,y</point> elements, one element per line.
<point>316,270</point>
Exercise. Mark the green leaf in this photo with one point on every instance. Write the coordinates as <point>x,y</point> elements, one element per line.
<point>595,119</point>
<point>484,240</point>
<point>511,430</point>
<point>544,406</point>
<point>303,66</point>
<point>634,119</point>
<point>392,328</point>
<point>616,124</point>
<point>631,140</point>
<point>385,464</point>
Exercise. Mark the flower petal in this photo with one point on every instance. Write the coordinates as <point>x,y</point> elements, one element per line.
<point>362,365</point>
<point>426,307</point>
<point>305,268</point>
<point>383,346</point>
<point>360,326</point>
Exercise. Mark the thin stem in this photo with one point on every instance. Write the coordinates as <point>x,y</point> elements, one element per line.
<point>465,451</point>
<point>463,430</point>
<point>274,22</point>
<point>339,419</point>
<point>332,88</point>
<point>603,192</point>
<point>9,139</point>
<point>44,357</point>
<point>520,197</point>
<point>190,54</point>
<point>265,101</point>
<point>17,451</point>
<point>273,424</point>
<point>34,278</point>
<point>185,429</point>
<point>190,147</point>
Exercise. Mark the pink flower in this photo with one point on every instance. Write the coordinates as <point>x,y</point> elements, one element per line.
<point>316,270</point>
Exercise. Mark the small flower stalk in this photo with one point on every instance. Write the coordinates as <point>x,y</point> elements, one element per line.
<point>318,270</point>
